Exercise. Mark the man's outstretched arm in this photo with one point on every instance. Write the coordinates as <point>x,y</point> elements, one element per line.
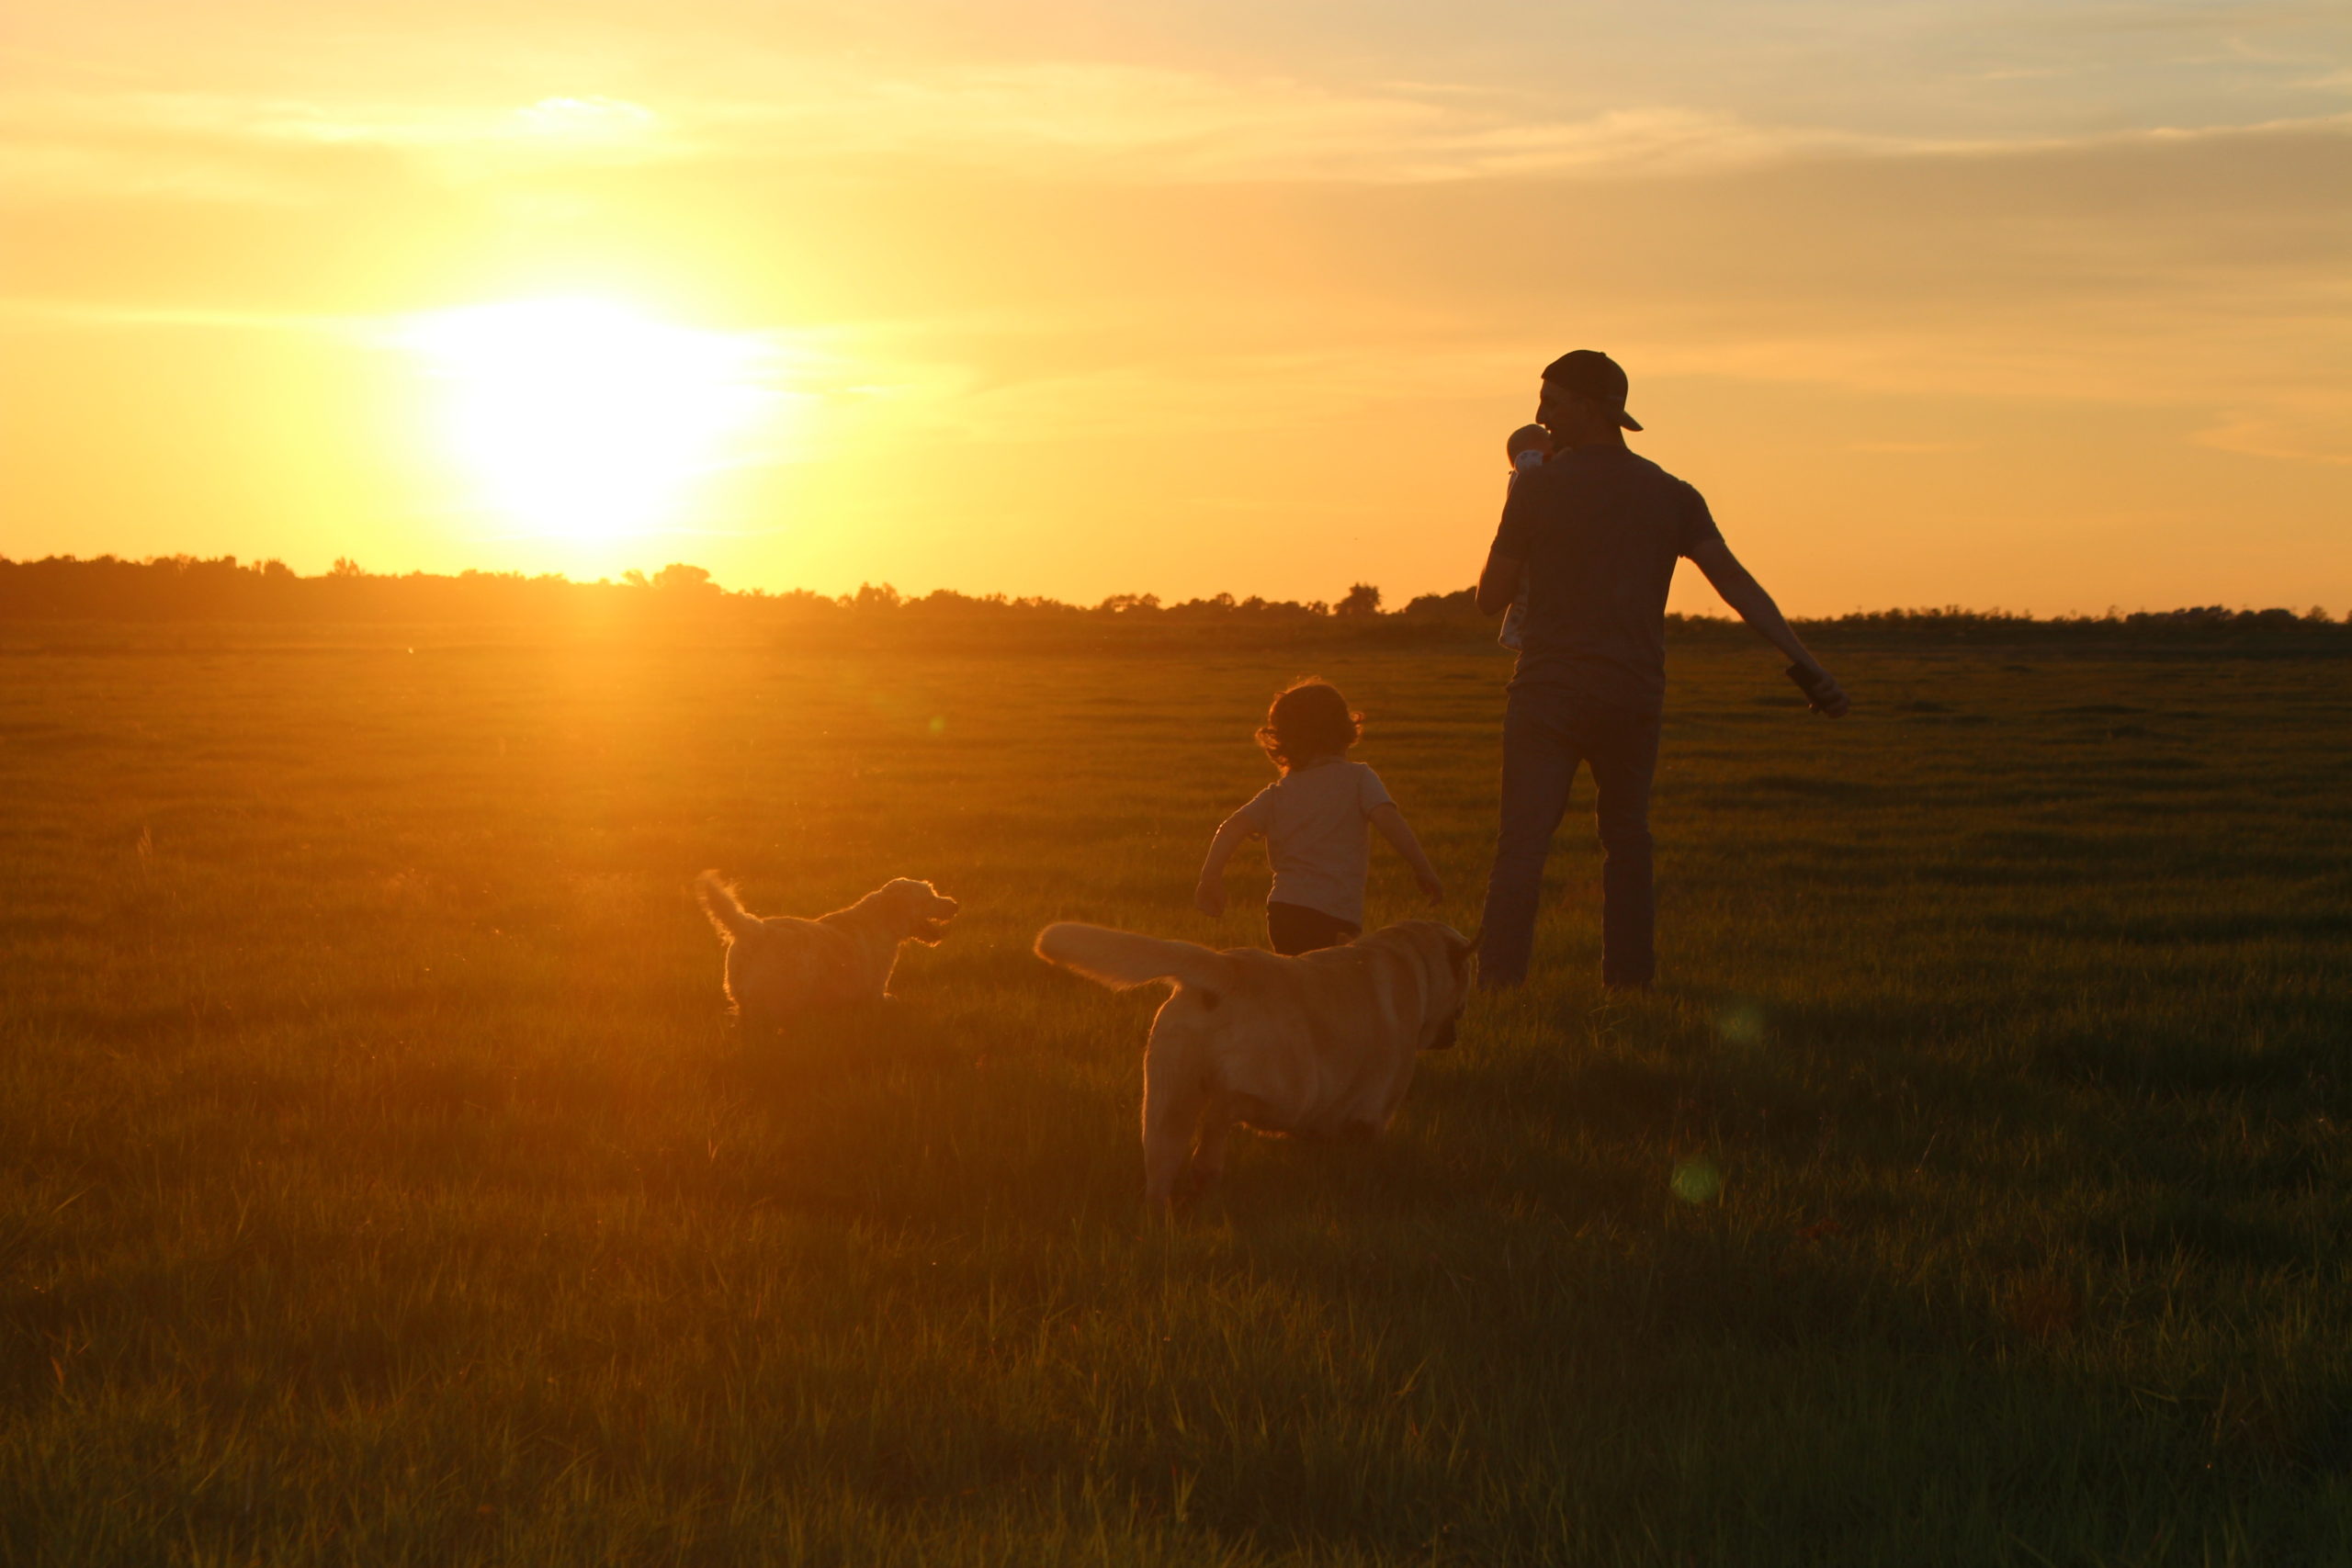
<point>1744,594</point>
<point>1498,584</point>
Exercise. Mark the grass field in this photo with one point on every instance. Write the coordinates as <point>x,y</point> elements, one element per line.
<point>382,1184</point>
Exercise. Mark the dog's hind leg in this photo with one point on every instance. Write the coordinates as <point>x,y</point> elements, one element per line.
<point>1174,1099</point>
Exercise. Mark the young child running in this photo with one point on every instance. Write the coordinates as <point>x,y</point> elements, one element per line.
<point>1313,820</point>
<point>1527,448</point>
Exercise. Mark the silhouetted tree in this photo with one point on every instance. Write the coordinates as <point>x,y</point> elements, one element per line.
<point>680,578</point>
<point>1462,603</point>
<point>185,588</point>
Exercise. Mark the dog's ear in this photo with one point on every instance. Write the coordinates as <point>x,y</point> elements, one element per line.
<point>1462,951</point>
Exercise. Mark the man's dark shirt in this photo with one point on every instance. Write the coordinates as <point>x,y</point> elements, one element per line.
<point>1599,530</point>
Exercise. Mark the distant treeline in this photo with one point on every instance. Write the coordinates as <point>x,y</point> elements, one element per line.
<point>185,588</point>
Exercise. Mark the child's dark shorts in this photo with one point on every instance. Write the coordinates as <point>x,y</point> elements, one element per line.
<point>1293,929</point>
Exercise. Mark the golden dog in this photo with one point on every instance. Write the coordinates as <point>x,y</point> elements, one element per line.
<point>780,967</point>
<point>1321,1046</point>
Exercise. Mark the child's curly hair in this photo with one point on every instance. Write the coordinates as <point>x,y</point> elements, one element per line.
<point>1308,721</point>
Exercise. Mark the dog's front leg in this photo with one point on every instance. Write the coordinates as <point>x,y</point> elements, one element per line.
<point>1209,1149</point>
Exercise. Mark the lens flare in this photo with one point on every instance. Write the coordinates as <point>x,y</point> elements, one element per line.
<point>1696,1180</point>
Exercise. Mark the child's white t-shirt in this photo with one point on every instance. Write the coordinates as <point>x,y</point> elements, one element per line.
<point>1314,821</point>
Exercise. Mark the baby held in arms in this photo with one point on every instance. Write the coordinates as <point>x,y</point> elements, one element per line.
<point>1527,448</point>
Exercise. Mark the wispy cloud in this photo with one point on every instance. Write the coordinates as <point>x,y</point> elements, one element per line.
<point>2295,430</point>
<point>1067,120</point>
<point>2047,269</point>
<point>269,150</point>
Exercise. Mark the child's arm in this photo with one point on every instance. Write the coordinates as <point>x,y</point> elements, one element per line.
<point>1209,896</point>
<point>1392,827</point>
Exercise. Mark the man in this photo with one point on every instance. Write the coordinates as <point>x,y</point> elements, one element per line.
<point>1593,535</point>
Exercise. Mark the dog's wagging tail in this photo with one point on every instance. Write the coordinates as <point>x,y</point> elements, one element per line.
<point>735,922</point>
<point>1122,960</point>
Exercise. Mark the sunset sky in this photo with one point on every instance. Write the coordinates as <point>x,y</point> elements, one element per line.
<point>2044,305</point>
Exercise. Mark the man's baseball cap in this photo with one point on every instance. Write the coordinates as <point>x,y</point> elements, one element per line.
<point>1589,373</point>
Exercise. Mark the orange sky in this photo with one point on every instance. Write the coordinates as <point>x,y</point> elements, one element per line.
<point>2044,306</point>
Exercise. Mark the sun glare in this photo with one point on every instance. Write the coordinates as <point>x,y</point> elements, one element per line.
<point>581,419</point>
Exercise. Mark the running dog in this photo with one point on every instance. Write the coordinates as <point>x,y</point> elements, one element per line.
<point>782,968</point>
<point>1319,1045</point>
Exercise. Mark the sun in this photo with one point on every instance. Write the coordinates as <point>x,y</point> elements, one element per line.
<point>583,419</point>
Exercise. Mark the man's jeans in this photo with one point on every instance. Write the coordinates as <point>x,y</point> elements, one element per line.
<point>1547,732</point>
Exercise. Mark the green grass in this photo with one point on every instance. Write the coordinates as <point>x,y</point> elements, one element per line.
<point>382,1184</point>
